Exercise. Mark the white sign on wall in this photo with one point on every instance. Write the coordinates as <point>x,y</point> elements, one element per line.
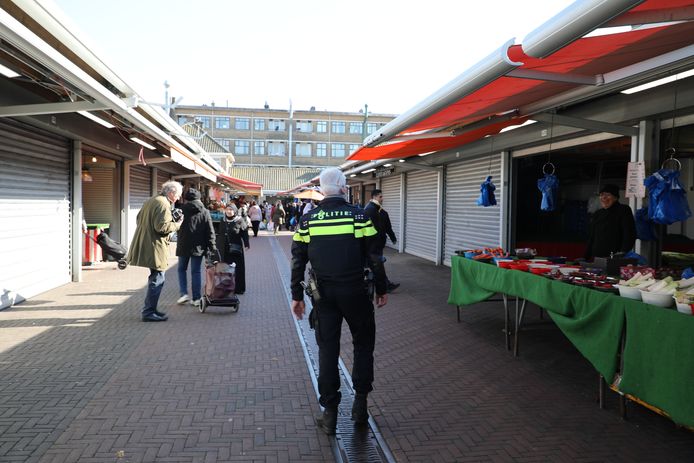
<point>636,174</point>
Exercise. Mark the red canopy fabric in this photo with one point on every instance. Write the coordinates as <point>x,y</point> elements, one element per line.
<point>584,57</point>
<point>246,186</point>
<point>407,148</point>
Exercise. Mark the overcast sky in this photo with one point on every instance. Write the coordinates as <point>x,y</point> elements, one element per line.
<point>333,55</point>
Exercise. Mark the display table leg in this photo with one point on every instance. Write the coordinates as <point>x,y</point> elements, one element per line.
<point>519,322</point>
<point>601,392</point>
<point>507,328</point>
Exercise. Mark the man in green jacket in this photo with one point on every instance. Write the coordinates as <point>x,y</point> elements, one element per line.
<point>150,245</point>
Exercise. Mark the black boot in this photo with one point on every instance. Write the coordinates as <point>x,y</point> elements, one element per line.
<point>360,412</point>
<point>327,422</point>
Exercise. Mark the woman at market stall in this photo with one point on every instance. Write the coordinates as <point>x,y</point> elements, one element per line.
<point>612,228</point>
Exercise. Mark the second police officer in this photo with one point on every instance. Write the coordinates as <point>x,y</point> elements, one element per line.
<point>338,239</point>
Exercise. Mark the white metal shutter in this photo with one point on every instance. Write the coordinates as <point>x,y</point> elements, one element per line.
<point>391,203</point>
<point>467,225</point>
<point>34,212</point>
<point>420,214</point>
<point>140,191</point>
<point>97,197</point>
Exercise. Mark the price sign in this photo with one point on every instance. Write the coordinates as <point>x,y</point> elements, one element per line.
<point>636,173</point>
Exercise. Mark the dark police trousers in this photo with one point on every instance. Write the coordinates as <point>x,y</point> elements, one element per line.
<point>348,301</point>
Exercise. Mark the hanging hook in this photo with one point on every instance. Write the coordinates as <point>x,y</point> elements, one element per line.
<point>672,159</point>
<point>544,168</point>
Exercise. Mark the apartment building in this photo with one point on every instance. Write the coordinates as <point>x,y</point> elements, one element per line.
<point>276,137</point>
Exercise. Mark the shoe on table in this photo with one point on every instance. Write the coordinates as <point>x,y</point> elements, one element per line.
<point>360,412</point>
<point>153,317</point>
<point>195,302</point>
<point>327,421</point>
<point>183,299</point>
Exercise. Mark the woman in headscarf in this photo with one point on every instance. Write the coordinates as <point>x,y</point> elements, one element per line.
<point>233,230</point>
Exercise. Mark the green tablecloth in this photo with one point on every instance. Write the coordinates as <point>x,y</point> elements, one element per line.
<point>592,320</point>
<point>658,366</point>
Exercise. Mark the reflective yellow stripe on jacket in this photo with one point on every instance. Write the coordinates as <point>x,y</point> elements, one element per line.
<point>332,227</point>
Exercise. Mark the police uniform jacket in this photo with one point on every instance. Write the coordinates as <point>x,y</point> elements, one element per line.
<point>339,241</point>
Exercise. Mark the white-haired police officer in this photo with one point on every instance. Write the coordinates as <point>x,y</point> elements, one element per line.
<point>338,239</point>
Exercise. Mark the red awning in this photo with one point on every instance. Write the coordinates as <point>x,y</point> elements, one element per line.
<point>245,186</point>
<point>583,59</point>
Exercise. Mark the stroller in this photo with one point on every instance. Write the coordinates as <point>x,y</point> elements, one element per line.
<point>111,248</point>
<point>219,285</point>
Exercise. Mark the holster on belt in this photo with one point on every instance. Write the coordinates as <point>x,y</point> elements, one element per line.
<point>313,293</point>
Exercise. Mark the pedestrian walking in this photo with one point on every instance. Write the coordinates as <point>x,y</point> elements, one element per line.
<point>196,237</point>
<point>256,216</point>
<point>233,230</point>
<point>379,217</point>
<point>278,216</point>
<point>337,238</point>
<point>307,207</point>
<point>150,244</point>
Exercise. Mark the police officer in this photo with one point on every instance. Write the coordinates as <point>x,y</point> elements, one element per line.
<point>338,239</point>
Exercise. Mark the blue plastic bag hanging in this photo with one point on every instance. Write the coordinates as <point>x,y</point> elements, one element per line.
<point>548,186</point>
<point>487,197</point>
<point>644,225</point>
<point>667,197</point>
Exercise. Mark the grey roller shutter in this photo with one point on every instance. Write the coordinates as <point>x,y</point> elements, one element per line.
<point>162,177</point>
<point>467,225</point>
<point>140,191</point>
<point>34,212</point>
<point>97,197</point>
<point>391,203</point>
<point>420,214</point>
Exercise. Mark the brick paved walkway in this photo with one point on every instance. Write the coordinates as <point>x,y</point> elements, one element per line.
<point>198,388</point>
<point>82,379</point>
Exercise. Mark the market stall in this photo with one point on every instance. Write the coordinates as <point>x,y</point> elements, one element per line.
<point>654,366</point>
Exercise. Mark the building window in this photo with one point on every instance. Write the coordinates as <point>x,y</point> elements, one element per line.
<point>371,127</point>
<point>321,150</point>
<point>259,147</point>
<point>338,150</point>
<point>222,122</point>
<point>242,123</point>
<point>304,126</point>
<point>353,147</point>
<point>225,142</point>
<point>258,124</point>
<point>277,125</point>
<point>242,147</point>
<point>276,148</point>
<point>355,128</point>
<point>205,121</point>
<point>338,127</point>
<point>302,149</point>
<point>322,126</point>
<point>182,120</point>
